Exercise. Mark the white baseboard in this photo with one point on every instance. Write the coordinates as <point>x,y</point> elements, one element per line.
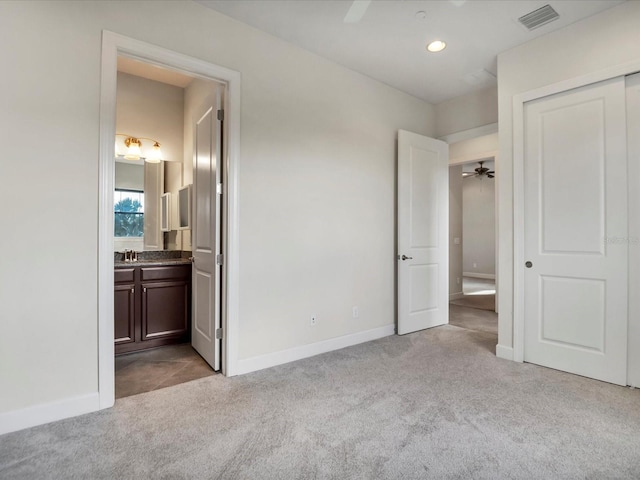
<point>48,412</point>
<point>504,352</point>
<point>488,276</point>
<point>260,362</point>
<point>456,296</point>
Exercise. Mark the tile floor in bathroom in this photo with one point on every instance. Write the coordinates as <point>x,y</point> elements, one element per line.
<point>157,368</point>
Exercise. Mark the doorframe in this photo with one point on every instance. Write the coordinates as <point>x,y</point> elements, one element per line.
<point>114,44</point>
<point>518,106</point>
<point>492,155</point>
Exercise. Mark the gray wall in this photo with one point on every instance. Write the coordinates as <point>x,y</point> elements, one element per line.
<point>316,184</point>
<point>455,230</point>
<point>611,38</point>
<point>478,225</point>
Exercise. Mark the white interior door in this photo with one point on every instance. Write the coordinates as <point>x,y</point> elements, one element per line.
<point>575,219</point>
<point>423,230</point>
<point>633,143</point>
<point>206,232</point>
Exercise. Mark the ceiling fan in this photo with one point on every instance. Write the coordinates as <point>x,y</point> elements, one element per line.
<point>480,172</point>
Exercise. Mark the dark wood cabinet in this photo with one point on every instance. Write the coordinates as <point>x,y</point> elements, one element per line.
<point>152,306</point>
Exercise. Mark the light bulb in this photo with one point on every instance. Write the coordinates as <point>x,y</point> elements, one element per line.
<point>133,150</point>
<point>156,154</point>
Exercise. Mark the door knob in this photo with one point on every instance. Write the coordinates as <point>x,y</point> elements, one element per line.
<point>404,257</point>
<point>528,264</point>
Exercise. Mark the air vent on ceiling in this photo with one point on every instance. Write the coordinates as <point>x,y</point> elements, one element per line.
<point>539,17</point>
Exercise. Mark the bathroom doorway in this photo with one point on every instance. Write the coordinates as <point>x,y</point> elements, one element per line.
<point>115,46</point>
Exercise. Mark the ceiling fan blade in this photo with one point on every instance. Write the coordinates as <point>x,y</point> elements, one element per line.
<point>490,176</point>
<point>467,174</point>
<point>356,11</point>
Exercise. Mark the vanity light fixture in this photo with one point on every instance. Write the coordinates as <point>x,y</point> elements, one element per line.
<point>436,46</point>
<point>134,150</point>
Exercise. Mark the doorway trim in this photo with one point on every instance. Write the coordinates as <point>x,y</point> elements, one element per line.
<point>113,45</point>
<point>519,101</point>
<point>492,155</point>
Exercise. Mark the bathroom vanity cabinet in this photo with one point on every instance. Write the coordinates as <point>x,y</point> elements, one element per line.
<point>152,305</point>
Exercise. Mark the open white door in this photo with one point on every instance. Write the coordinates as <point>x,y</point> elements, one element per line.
<point>423,230</point>
<point>575,220</point>
<point>206,232</point>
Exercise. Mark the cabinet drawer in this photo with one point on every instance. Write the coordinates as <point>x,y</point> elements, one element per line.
<point>122,275</point>
<point>165,273</point>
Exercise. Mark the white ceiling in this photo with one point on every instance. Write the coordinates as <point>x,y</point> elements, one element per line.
<point>153,72</point>
<point>388,43</point>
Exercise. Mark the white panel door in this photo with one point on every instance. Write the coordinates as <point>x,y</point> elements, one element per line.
<point>206,233</point>
<point>575,210</point>
<point>423,229</point>
<point>633,142</point>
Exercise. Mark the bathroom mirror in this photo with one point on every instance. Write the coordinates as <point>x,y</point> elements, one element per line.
<point>165,212</point>
<point>139,206</point>
<point>184,208</point>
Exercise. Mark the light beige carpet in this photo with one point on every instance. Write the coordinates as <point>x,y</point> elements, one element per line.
<point>483,302</point>
<point>435,404</point>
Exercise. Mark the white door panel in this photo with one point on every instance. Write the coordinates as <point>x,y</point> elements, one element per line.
<point>633,139</point>
<point>423,224</point>
<point>206,232</point>
<point>575,203</point>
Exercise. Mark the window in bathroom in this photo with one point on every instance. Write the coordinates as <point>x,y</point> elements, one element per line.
<point>128,208</point>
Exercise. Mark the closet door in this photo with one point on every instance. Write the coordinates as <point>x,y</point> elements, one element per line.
<point>633,142</point>
<point>575,192</point>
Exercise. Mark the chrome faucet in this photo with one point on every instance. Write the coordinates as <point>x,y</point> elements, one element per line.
<point>130,256</point>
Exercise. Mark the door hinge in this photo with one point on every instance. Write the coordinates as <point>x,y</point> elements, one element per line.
<point>219,188</point>
<point>221,115</point>
<point>219,333</point>
<point>219,259</point>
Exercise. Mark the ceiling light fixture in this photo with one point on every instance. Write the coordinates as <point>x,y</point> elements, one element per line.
<point>134,149</point>
<point>436,46</point>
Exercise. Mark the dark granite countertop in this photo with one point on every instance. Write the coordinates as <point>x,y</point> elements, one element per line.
<point>152,263</point>
<point>154,259</point>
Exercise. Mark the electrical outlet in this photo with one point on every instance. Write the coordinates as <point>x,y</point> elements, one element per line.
<point>314,319</point>
<point>355,312</point>
<point>458,280</point>
<point>475,265</point>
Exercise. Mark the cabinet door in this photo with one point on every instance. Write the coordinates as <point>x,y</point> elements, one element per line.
<point>165,309</point>
<point>124,313</point>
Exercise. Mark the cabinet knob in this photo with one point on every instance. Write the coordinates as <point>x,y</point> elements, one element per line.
<point>133,290</point>
<point>144,289</point>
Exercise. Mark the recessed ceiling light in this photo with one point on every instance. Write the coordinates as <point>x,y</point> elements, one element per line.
<point>436,46</point>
